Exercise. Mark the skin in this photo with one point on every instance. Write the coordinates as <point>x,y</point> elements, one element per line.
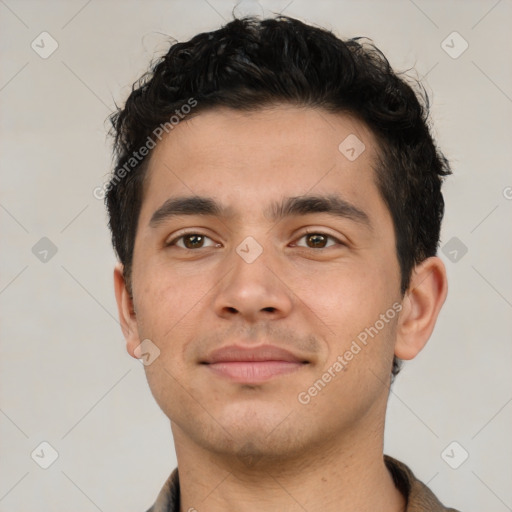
<point>252,447</point>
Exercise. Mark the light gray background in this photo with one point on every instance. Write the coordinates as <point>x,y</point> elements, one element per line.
<point>65,376</point>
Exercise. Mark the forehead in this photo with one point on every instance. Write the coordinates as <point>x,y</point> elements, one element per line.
<point>248,159</point>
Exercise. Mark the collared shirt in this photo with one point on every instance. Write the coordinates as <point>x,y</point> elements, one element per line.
<point>419,497</point>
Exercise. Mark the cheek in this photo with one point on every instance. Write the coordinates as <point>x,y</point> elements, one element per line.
<point>166,299</point>
<point>168,307</point>
<point>348,290</point>
<point>353,306</point>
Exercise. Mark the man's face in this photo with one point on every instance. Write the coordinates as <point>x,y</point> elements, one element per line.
<point>268,269</point>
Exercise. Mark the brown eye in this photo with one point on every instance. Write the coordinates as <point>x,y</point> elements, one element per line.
<point>317,241</point>
<point>192,241</point>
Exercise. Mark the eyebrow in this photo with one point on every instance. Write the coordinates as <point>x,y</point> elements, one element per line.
<point>330,204</point>
<point>192,205</point>
<point>288,207</point>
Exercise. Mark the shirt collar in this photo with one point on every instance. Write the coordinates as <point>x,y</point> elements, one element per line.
<point>419,497</point>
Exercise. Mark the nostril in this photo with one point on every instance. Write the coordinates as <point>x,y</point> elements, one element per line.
<point>269,309</point>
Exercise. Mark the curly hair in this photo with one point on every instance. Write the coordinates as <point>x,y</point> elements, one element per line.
<point>251,63</point>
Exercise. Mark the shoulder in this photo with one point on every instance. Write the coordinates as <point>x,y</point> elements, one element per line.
<point>168,499</point>
<point>419,497</point>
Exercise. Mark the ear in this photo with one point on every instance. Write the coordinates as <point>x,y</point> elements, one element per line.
<point>421,305</point>
<point>126,311</point>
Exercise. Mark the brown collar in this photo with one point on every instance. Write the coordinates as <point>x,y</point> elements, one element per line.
<point>419,497</point>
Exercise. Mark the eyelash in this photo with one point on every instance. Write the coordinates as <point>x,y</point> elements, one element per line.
<point>174,241</point>
<point>183,235</point>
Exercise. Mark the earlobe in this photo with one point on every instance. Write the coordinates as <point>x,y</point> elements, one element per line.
<point>126,311</point>
<point>421,305</point>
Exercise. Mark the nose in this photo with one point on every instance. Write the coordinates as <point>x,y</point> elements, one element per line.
<point>253,292</point>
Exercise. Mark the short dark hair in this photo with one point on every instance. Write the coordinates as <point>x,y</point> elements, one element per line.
<point>249,64</point>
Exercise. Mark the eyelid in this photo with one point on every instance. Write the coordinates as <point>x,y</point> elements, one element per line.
<point>180,234</point>
<point>322,232</point>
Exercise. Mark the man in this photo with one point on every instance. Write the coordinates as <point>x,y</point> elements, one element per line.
<point>276,208</point>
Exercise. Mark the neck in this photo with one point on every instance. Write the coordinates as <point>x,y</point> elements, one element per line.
<point>335,476</point>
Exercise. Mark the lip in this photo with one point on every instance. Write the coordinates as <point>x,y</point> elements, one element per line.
<point>253,365</point>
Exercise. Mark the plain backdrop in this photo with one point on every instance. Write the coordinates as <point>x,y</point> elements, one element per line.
<point>65,376</point>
